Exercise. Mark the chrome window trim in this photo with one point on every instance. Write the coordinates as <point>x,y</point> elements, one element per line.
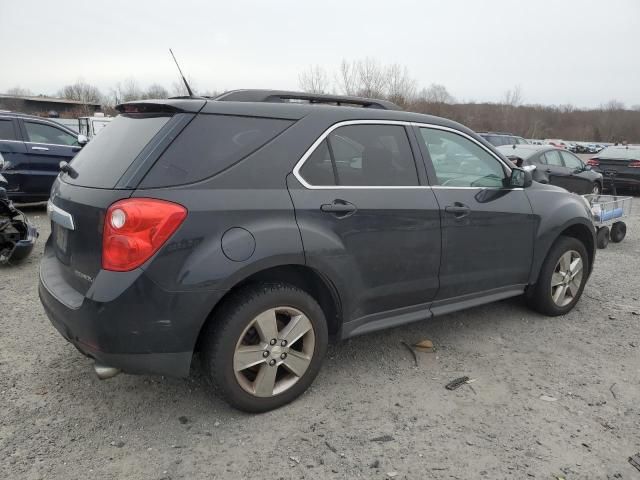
<point>40,143</point>
<point>404,123</point>
<point>61,217</point>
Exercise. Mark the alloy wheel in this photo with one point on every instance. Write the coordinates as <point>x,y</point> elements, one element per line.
<point>274,351</point>
<point>567,278</point>
<point>596,189</point>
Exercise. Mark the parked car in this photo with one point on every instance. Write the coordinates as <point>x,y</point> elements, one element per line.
<point>32,148</point>
<point>497,139</point>
<point>91,126</point>
<point>254,228</point>
<point>620,164</point>
<point>555,143</point>
<point>556,166</point>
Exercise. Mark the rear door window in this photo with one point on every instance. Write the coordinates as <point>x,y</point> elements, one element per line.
<point>318,169</point>
<point>571,161</point>
<point>106,157</point>
<point>42,133</point>
<point>6,130</point>
<point>363,156</point>
<point>209,145</point>
<point>553,158</point>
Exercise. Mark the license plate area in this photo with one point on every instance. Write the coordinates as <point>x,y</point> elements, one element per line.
<point>61,238</point>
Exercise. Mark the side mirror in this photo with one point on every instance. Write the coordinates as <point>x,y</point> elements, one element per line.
<point>520,178</point>
<point>587,167</point>
<point>82,139</point>
<point>529,168</point>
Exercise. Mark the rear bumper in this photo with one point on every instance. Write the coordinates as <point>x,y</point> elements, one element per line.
<point>125,320</point>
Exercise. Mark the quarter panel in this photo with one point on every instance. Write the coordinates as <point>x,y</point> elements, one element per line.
<point>193,259</point>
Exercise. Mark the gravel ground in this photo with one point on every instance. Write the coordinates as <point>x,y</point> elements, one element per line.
<point>370,413</point>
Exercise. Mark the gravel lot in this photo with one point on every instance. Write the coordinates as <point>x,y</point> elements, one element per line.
<point>370,414</point>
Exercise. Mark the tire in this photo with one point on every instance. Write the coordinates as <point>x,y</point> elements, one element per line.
<point>541,299</point>
<point>602,237</point>
<point>596,189</point>
<point>243,325</point>
<point>618,232</point>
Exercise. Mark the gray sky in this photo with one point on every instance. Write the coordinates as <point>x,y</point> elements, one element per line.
<point>583,52</point>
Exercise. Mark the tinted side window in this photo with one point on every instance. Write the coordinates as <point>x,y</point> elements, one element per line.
<point>459,162</point>
<point>373,155</point>
<point>6,130</point>
<point>41,133</point>
<point>570,161</point>
<point>318,169</point>
<point>553,158</point>
<point>210,144</point>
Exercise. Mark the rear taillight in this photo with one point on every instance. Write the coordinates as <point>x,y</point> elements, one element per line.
<point>635,164</point>
<point>593,162</point>
<point>134,229</point>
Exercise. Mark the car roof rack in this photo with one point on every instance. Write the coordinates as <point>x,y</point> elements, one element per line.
<point>284,96</point>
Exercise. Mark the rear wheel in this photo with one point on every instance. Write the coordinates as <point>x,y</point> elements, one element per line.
<point>618,232</point>
<point>562,278</point>
<point>602,238</point>
<point>265,346</point>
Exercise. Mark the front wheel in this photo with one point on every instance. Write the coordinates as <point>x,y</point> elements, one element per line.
<point>596,189</point>
<point>265,346</point>
<point>562,278</point>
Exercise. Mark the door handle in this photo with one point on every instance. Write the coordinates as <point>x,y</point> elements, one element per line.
<point>340,208</point>
<point>459,210</point>
<point>548,170</point>
<point>41,149</point>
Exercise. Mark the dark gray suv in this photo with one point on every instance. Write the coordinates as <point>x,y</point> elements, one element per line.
<point>255,226</point>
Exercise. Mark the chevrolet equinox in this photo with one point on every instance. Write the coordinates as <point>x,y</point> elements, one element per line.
<point>255,226</point>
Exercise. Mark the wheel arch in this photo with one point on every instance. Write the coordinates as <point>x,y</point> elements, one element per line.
<point>301,276</point>
<point>579,231</point>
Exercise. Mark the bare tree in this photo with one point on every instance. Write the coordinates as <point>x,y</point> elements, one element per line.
<point>19,92</point>
<point>401,88</point>
<point>372,79</point>
<point>314,80</point>
<point>126,91</point>
<point>83,92</point>
<point>612,105</point>
<point>436,93</point>
<point>155,91</point>
<point>347,77</point>
<point>513,97</point>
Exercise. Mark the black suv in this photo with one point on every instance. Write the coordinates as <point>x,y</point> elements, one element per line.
<point>253,227</point>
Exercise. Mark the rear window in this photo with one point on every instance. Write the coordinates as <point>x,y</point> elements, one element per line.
<point>106,157</point>
<point>622,153</point>
<point>209,145</point>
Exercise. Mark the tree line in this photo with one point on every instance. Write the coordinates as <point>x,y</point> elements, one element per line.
<point>610,122</point>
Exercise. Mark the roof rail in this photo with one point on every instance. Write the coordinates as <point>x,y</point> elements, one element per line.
<point>280,96</point>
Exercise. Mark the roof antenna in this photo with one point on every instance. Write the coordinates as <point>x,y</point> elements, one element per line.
<point>186,84</point>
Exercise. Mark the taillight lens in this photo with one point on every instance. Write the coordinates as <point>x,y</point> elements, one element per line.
<point>593,162</point>
<point>134,229</point>
<point>635,164</point>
